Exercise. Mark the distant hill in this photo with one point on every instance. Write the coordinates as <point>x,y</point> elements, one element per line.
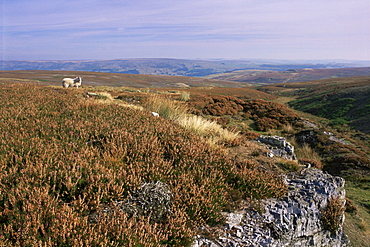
<point>288,76</point>
<point>342,100</point>
<point>112,79</point>
<point>177,67</point>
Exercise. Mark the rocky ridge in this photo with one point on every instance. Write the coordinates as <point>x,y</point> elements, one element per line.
<point>295,220</point>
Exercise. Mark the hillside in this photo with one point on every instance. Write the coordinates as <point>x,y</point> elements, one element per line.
<point>69,160</point>
<point>178,67</point>
<point>88,160</point>
<point>291,75</point>
<point>342,100</point>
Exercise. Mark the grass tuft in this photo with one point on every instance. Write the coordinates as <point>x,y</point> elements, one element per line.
<point>184,96</point>
<point>166,108</point>
<point>178,112</point>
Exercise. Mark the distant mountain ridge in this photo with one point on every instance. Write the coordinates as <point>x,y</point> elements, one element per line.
<point>175,67</point>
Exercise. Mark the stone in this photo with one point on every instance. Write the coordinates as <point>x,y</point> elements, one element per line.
<point>278,146</point>
<point>233,219</point>
<point>294,220</point>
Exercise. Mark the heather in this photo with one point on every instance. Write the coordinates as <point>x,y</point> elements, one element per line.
<point>264,114</point>
<point>65,157</point>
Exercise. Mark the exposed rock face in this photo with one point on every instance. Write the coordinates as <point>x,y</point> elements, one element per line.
<point>278,146</point>
<point>294,220</point>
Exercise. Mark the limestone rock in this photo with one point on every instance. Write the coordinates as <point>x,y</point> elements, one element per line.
<point>278,146</point>
<point>294,220</point>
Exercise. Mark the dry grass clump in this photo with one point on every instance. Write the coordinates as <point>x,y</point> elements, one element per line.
<point>307,152</point>
<point>107,98</point>
<point>203,127</point>
<point>184,96</point>
<point>176,111</point>
<point>332,216</point>
<point>288,128</point>
<point>64,157</point>
<point>289,165</point>
<point>166,108</point>
<point>310,163</point>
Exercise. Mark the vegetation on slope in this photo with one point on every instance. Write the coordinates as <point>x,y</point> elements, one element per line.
<point>65,157</point>
<point>265,115</point>
<point>343,101</point>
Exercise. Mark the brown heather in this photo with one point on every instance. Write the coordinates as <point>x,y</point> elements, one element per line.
<point>266,115</point>
<point>332,215</point>
<point>64,157</point>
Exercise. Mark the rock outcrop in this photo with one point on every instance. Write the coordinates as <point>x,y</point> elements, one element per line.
<point>295,220</point>
<point>278,146</point>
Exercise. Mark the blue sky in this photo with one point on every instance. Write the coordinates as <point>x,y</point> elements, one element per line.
<point>190,29</point>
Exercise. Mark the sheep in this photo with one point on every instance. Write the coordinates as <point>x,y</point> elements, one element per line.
<point>69,82</point>
<point>155,114</point>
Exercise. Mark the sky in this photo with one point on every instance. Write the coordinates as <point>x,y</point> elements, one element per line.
<point>184,29</point>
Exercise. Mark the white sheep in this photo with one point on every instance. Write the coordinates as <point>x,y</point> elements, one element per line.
<point>155,114</point>
<point>69,82</point>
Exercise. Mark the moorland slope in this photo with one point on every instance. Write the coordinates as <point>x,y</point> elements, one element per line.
<point>342,100</point>
<point>68,154</point>
<point>69,160</point>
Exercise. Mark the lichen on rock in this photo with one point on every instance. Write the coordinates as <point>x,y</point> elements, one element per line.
<point>152,200</point>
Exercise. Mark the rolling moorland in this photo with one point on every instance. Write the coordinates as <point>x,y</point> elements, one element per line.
<point>343,101</point>
<point>177,67</point>
<point>70,157</point>
<point>261,77</point>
